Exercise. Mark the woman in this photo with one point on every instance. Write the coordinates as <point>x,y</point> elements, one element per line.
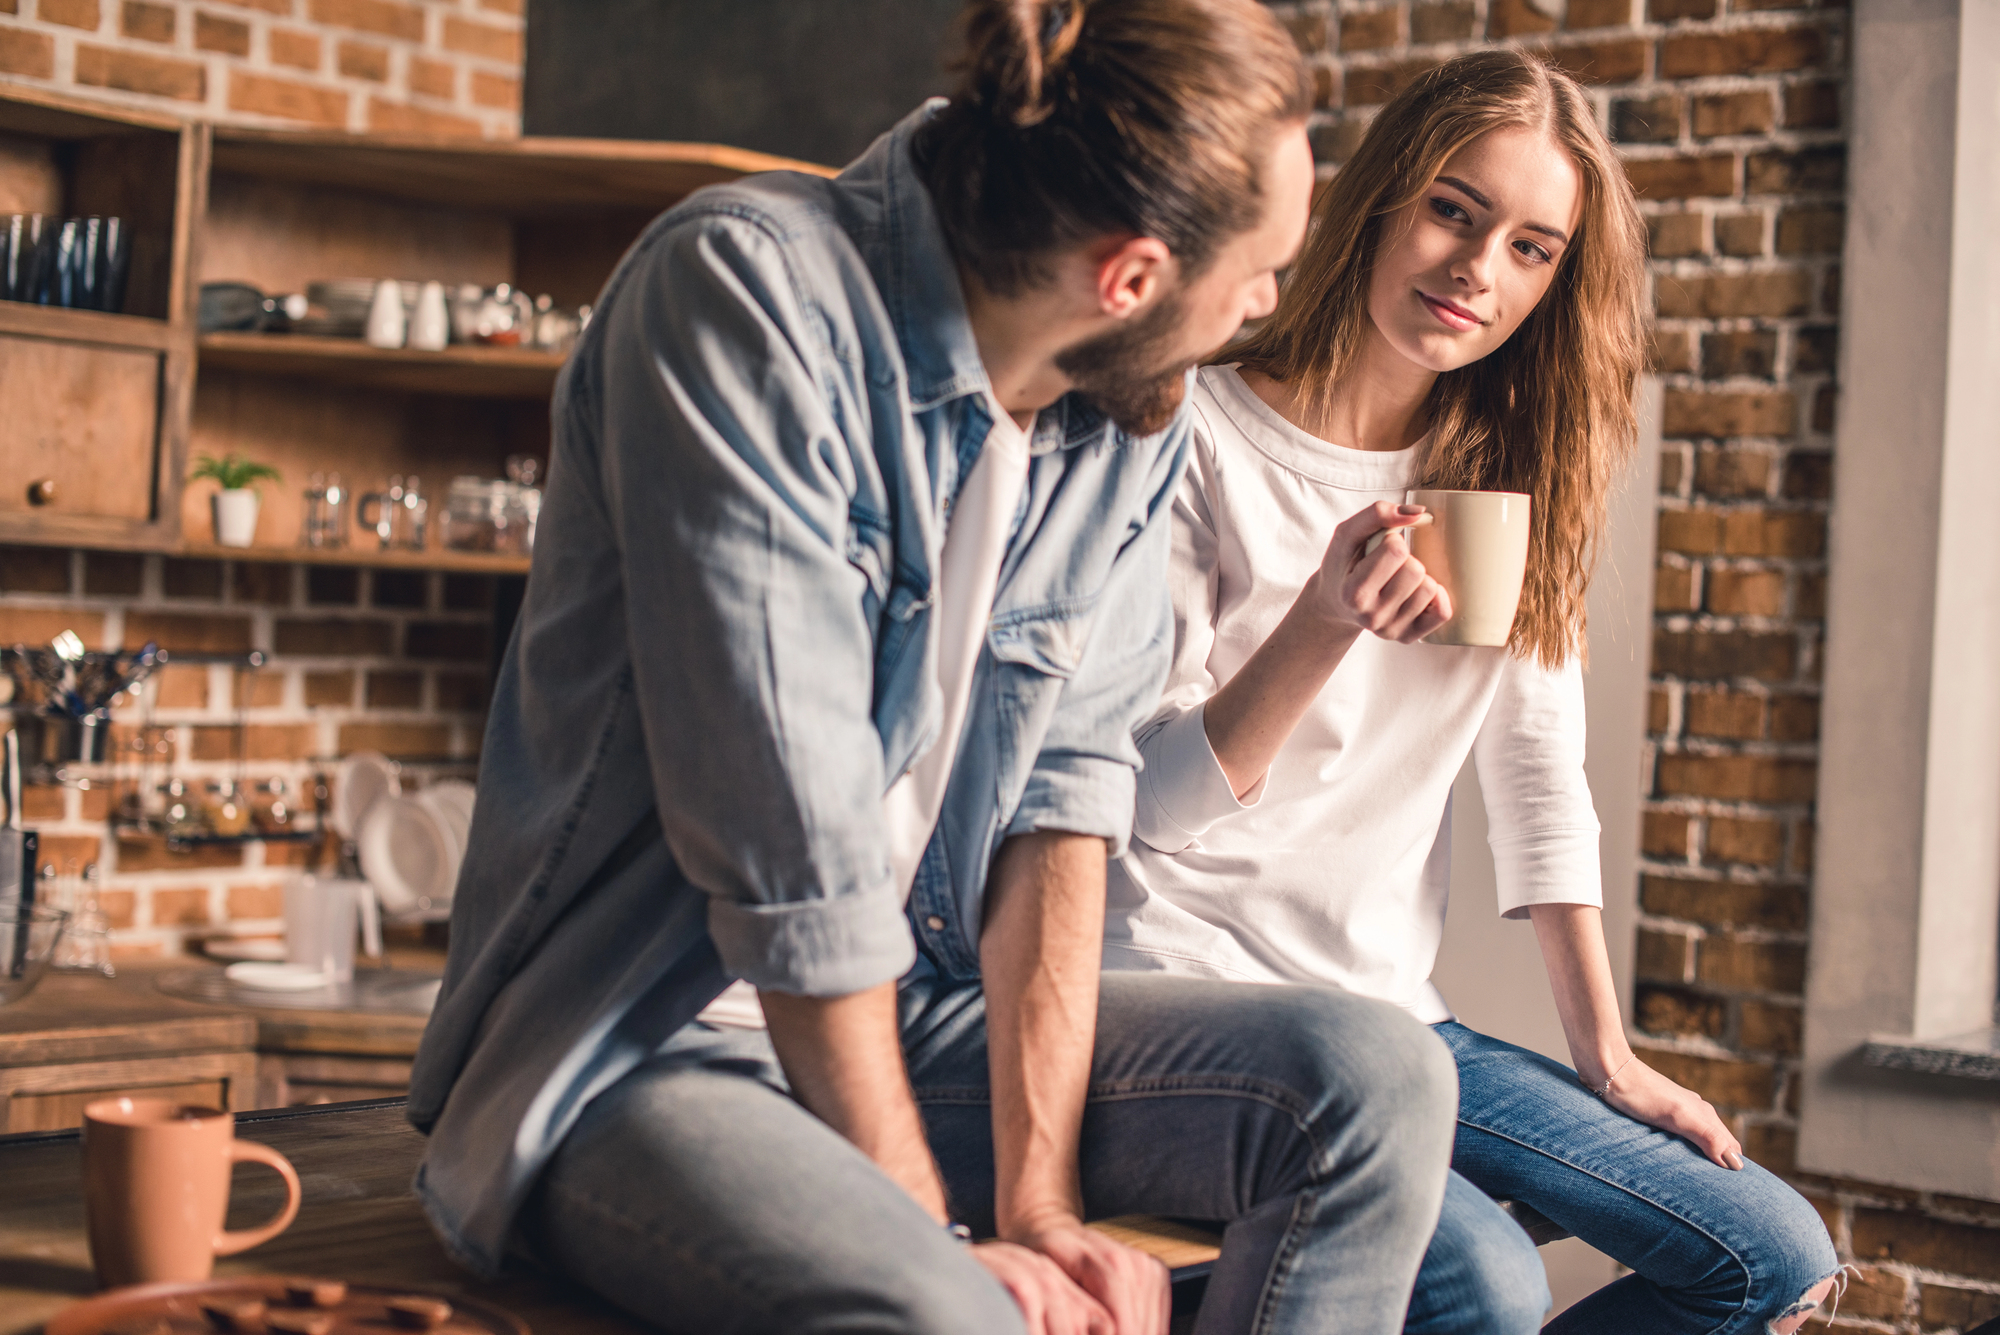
<point>1468,314</point>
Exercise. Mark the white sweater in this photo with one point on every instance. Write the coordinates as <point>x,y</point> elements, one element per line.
<point>1337,866</point>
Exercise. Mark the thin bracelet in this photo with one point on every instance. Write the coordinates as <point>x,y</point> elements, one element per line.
<point>1605,1092</point>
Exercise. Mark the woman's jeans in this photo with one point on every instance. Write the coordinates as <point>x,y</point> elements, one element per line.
<point>698,1194</point>
<point>1712,1250</point>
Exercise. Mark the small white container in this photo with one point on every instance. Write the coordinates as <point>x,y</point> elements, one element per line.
<point>430,327</point>
<point>235,515</point>
<point>387,324</point>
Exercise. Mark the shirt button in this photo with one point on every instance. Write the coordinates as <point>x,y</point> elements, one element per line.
<point>935,923</point>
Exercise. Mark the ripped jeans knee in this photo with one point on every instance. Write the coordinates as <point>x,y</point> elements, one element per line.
<point>1833,1286</point>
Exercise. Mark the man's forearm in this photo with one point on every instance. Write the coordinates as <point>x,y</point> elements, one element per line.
<point>844,1059</point>
<point>1040,952</point>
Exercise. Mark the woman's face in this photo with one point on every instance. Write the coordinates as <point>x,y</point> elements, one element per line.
<point>1461,267</point>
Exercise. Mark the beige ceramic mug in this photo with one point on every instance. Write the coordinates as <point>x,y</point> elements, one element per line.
<point>156,1188</point>
<point>1474,543</point>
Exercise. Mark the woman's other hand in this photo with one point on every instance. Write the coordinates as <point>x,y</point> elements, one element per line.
<point>1386,591</point>
<point>1645,1095</point>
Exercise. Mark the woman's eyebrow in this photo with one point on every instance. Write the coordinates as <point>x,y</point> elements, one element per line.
<point>1483,202</point>
<point>1477,198</point>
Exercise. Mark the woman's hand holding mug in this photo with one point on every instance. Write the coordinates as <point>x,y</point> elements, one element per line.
<point>1367,582</point>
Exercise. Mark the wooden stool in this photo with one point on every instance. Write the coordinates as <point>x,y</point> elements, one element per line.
<point>1189,1251</point>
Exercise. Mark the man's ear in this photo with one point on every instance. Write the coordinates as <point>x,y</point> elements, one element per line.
<point>1131,273</point>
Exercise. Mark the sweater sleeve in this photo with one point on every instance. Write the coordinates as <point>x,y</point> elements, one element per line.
<point>1541,825</point>
<point>1182,790</point>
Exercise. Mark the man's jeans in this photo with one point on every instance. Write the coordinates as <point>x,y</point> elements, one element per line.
<point>1714,1251</point>
<point>698,1195</point>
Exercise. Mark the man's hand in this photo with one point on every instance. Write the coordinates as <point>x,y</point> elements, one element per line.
<point>1645,1095</point>
<point>1132,1286</point>
<point>1050,1302</point>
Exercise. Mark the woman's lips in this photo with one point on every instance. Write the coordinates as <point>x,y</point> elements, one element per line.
<point>1453,315</point>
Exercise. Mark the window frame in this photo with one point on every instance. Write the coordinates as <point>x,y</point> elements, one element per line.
<point>1905,943</point>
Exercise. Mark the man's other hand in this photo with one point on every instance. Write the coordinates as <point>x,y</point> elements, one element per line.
<point>1050,1302</point>
<point>1129,1285</point>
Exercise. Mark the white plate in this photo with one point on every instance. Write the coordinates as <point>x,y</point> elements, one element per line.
<point>456,793</point>
<point>363,779</point>
<point>407,855</point>
<point>274,977</point>
<point>457,822</point>
<point>263,948</point>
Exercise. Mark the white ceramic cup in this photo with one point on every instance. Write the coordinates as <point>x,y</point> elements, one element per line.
<point>321,916</point>
<point>1474,543</point>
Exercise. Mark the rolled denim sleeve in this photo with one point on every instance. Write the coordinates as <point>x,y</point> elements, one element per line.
<point>1083,780</point>
<point>730,450</point>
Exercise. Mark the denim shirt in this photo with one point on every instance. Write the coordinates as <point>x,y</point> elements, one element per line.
<point>724,659</point>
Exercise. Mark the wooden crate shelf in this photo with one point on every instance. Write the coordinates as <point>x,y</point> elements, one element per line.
<point>460,370</point>
<point>106,411</point>
<point>95,327</point>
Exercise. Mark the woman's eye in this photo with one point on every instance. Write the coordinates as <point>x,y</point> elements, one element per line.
<point>1530,251</point>
<point>1449,211</point>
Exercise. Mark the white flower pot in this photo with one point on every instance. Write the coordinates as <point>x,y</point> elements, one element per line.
<point>235,513</point>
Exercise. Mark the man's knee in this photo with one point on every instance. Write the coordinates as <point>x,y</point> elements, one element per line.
<point>1369,1058</point>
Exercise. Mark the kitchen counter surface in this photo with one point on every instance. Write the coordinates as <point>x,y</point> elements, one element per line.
<point>77,1033</point>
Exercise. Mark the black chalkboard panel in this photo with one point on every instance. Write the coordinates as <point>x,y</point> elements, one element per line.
<point>812,79</point>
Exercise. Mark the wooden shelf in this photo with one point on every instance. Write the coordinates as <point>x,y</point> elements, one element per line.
<point>99,327</point>
<point>526,177</point>
<point>435,558</point>
<point>465,371</point>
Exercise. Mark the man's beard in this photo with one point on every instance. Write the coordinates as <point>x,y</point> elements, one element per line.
<point>1129,372</point>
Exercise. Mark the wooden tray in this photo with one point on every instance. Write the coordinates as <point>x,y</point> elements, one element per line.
<point>365,1311</point>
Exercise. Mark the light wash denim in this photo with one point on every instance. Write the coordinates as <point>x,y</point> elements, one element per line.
<point>1317,1123</point>
<point>1714,1251</point>
<point>724,660</point>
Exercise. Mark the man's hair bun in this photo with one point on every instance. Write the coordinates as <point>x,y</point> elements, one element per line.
<point>1077,118</point>
<point>1016,50</point>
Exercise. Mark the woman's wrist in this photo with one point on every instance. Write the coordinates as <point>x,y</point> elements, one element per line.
<point>1598,1065</point>
<point>1317,615</point>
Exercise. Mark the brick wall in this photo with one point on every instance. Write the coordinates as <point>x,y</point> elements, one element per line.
<point>1730,116</point>
<point>393,66</point>
<point>391,661</point>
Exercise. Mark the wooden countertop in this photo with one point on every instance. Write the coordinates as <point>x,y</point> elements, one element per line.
<point>359,1221</point>
<point>80,1017</point>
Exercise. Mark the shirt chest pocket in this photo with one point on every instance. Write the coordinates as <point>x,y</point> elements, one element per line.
<point>1035,653</point>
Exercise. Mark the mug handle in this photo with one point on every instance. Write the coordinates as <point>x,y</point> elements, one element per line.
<point>1381,535</point>
<point>229,1242</point>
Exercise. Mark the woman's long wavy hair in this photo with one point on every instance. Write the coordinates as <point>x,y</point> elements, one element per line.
<point>1550,411</point>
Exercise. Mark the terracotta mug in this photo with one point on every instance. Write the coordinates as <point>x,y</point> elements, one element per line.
<point>156,1188</point>
<point>1475,543</point>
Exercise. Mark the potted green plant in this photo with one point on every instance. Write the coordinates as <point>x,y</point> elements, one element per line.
<point>234,507</point>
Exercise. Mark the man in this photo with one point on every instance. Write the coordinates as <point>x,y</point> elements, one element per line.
<point>848,591</point>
